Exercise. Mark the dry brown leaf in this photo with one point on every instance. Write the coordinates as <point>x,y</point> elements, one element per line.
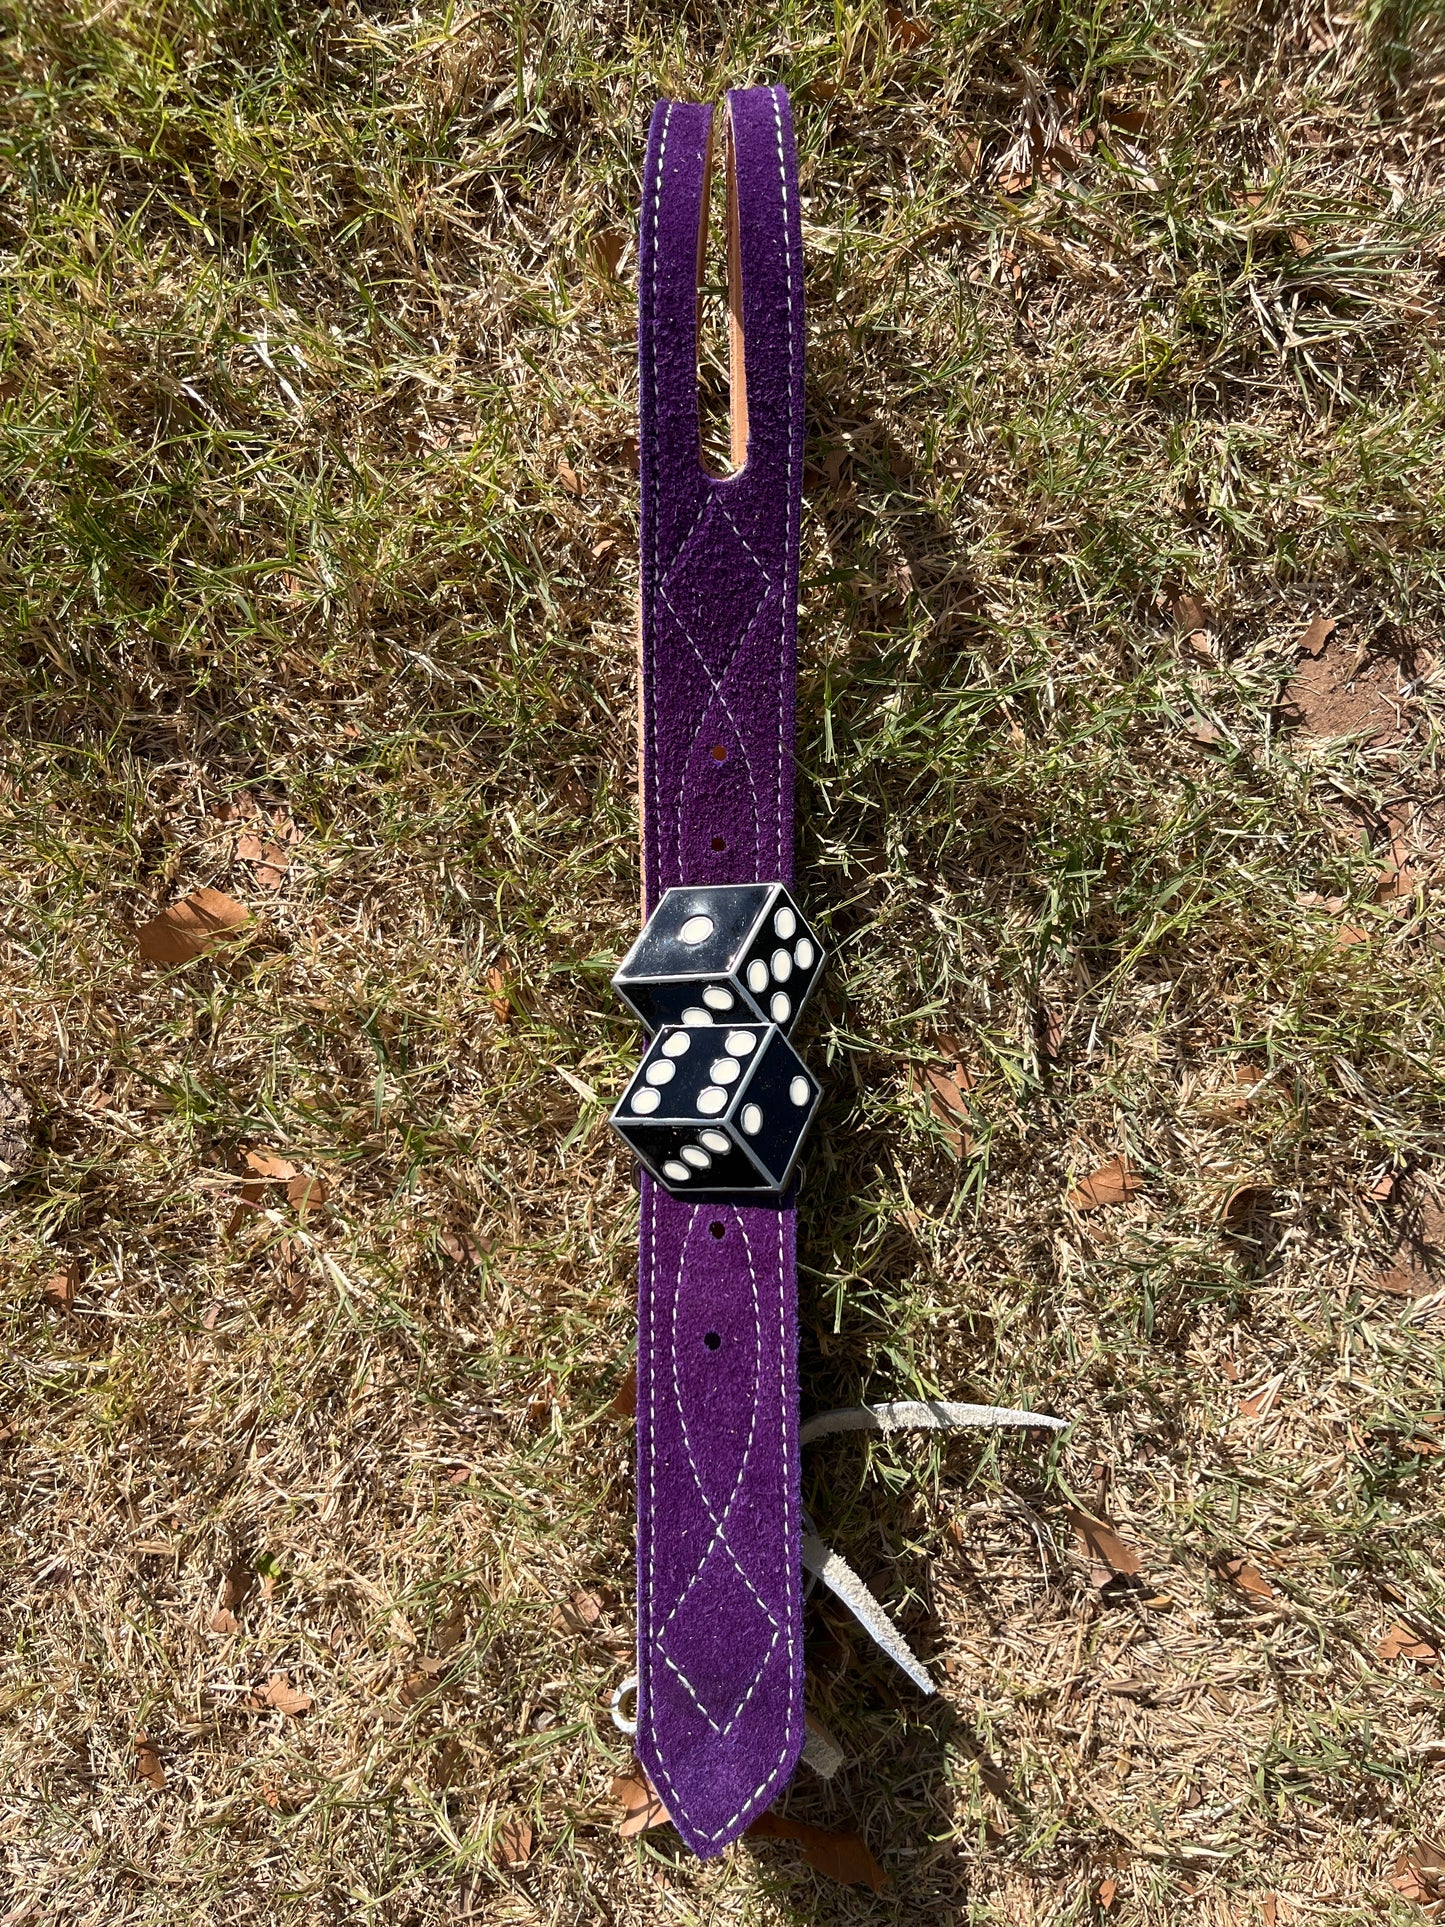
<point>641,1808</point>
<point>1108,1893</point>
<point>946,1093</point>
<point>1129,120</point>
<point>623,1403</point>
<point>1420,1870</point>
<point>1269,1910</point>
<point>288,1261</point>
<point>281,1696</point>
<point>190,927</point>
<point>286,1799</point>
<point>1014,180</point>
<point>462,1247</point>
<point>512,1846</point>
<point>1249,1579</point>
<point>1247,1210</point>
<point>451,1763</point>
<point>539,1408</point>
<point>452,1631</point>
<point>907,32</point>
<point>236,1588</point>
<point>609,246</point>
<point>1190,618</point>
<point>1397,881</point>
<point>270,861</point>
<point>499,1000</point>
<point>1410,1276</point>
<point>1401,1643</point>
<point>1051,1030</point>
<point>569,478</point>
<point>262,1167</point>
<point>1071,146</point>
<point>843,1857</point>
<point>1239,1085</point>
<point>831,462</point>
<point>417,1685</point>
<point>62,1284</point>
<point>306,1193</point>
<point>148,1768</point>
<point>1109,1557</point>
<point>1113,1183</point>
<point>261,1163</point>
<point>578,1614</point>
<point>1317,635</point>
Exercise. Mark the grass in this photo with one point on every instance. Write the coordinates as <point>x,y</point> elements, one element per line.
<point>308,317</point>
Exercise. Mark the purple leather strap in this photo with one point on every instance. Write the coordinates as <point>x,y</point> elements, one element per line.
<point>719,1615</point>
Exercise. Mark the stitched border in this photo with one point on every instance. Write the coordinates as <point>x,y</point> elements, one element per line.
<point>719,1522</point>
<point>649,613</point>
<point>793,532</point>
<point>717,681</point>
<point>790,1523</point>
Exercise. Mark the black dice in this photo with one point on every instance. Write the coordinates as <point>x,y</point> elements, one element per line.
<point>721,954</point>
<point>718,1109</point>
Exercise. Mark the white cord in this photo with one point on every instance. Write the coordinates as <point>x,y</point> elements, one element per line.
<point>932,1415</point>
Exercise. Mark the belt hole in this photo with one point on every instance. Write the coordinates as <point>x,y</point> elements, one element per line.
<point>717,1229</point>
<point>719,753</point>
<point>713,1340</point>
<point>719,842</point>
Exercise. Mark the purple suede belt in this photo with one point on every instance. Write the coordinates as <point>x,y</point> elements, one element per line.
<point>719,1594</point>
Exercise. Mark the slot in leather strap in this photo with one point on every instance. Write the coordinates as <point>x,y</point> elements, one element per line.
<point>720,1662</point>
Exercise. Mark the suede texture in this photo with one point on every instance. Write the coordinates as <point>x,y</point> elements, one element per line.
<point>719,1617</point>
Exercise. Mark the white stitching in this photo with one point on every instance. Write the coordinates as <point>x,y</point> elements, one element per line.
<point>791,537</point>
<point>717,682</point>
<point>719,1535</point>
<point>767,577</point>
<point>654,826</point>
<point>719,1524</point>
<point>722,702</point>
<point>644,1613</point>
<point>790,1524</point>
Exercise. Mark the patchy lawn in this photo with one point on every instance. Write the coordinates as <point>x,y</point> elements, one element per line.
<point>1124,584</point>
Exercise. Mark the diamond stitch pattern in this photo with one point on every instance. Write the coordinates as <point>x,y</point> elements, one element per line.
<point>715,624</point>
<point>702,1644</point>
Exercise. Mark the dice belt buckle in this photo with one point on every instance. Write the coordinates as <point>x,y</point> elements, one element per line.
<point>721,1102</point>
